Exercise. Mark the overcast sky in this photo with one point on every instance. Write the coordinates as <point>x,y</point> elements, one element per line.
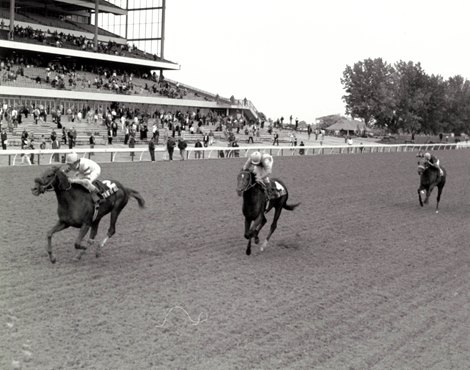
<point>288,57</point>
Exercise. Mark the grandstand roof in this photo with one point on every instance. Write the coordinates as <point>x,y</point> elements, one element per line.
<point>96,57</point>
<point>72,5</point>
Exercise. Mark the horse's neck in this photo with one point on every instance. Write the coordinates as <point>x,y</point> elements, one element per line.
<point>429,176</point>
<point>65,196</point>
<point>254,192</point>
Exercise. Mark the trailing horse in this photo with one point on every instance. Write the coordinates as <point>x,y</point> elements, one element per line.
<point>429,179</point>
<point>77,209</point>
<point>254,206</point>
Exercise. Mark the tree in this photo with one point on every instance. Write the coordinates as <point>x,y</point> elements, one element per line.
<point>457,105</point>
<point>369,90</point>
<point>411,82</point>
<point>434,109</point>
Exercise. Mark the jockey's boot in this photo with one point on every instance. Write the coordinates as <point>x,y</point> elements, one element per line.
<point>268,189</point>
<point>97,197</point>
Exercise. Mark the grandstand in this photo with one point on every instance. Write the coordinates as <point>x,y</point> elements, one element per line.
<point>63,56</point>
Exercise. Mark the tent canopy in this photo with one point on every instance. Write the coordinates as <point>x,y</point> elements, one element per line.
<point>346,124</point>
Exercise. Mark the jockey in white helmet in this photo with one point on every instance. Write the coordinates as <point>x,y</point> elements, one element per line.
<point>261,165</point>
<point>83,171</point>
<point>433,161</point>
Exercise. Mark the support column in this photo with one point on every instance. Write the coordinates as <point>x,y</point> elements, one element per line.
<point>162,36</point>
<point>95,41</point>
<point>12,20</point>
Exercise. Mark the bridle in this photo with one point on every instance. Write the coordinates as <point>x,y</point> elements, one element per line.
<point>50,186</point>
<point>249,184</point>
<point>422,166</point>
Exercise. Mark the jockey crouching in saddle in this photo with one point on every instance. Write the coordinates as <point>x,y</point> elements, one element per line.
<point>433,162</point>
<point>84,171</point>
<point>261,165</point>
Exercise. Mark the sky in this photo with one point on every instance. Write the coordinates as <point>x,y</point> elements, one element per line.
<point>288,57</point>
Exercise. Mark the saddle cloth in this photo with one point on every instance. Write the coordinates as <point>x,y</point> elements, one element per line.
<point>278,189</point>
<point>105,187</point>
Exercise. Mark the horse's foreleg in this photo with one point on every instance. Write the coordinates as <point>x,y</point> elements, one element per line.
<point>78,242</point>
<point>260,226</point>
<point>428,194</point>
<point>420,191</point>
<point>58,227</point>
<point>273,227</point>
<point>248,247</point>
<point>256,226</point>
<point>247,228</point>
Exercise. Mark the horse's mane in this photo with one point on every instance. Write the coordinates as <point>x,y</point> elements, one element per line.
<point>53,171</point>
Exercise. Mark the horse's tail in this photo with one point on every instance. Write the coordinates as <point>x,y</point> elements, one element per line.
<point>135,194</point>
<point>290,207</point>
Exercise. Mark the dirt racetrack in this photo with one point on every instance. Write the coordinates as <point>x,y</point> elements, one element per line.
<point>358,277</point>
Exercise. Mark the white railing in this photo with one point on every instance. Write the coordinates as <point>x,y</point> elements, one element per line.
<point>46,156</point>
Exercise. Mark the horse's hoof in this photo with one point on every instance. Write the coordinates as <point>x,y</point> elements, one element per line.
<point>51,257</point>
<point>264,245</point>
<point>256,240</point>
<point>437,211</point>
<point>248,252</point>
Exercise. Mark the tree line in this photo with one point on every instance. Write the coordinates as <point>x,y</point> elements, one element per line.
<point>402,97</point>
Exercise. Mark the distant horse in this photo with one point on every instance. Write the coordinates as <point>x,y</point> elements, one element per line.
<point>429,179</point>
<point>254,207</point>
<point>77,209</point>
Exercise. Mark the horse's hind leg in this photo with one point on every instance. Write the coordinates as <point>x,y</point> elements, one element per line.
<point>273,227</point>
<point>439,192</point>
<point>91,238</point>
<point>112,226</point>
<point>58,227</point>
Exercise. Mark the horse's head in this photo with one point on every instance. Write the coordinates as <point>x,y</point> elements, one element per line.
<point>423,165</point>
<point>50,179</point>
<point>244,182</point>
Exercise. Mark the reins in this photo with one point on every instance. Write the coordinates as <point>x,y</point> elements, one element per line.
<point>250,184</point>
<point>50,186</point>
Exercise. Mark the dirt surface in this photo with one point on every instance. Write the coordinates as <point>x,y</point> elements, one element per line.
<point>359,276</point>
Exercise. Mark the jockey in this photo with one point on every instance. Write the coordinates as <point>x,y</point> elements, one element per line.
<point>86,171</point>
<point>433,162</point>
<point>261,165</point>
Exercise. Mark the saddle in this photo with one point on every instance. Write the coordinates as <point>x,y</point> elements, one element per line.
<point>105,189</point>
<point>274,190</point>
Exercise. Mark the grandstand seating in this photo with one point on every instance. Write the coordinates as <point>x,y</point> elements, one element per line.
<point>24,67</point>
<point>81,83</point>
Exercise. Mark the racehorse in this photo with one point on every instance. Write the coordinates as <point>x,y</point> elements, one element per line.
<point>429,179</point>
<point>254,207</point>
<point>77,209</point>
